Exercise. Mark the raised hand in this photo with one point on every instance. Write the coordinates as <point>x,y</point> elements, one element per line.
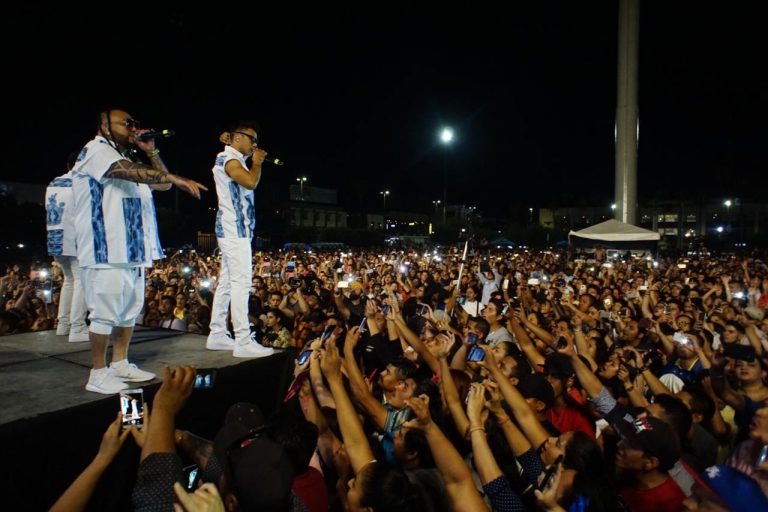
<point>140,434</point>
<point>112,441</point>
<point>420,407</point>
<point>330,362</point>
<point>494,404</point>
<point>353,337</point>
<point>206,498</point>
<point>446,344</point>
<point>475,403</point>
<point>176,388</point>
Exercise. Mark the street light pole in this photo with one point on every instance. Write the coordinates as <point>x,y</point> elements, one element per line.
<point>384,194</point>
<point>301,181</point>
<point>727,203</point>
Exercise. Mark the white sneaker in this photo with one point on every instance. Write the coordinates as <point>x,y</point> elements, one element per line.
<point>220,341</point>
<point>104,381</point>
<point>78,336</point>
<point>252,349</point>
<point>130,372</point>
<point>62,330</point>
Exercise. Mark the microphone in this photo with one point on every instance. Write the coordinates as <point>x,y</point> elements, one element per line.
<point>274,161</point>
<point>161,134</point>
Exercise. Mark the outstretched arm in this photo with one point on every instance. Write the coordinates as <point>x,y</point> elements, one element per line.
<point>458,480</point>
<point>140,173</point>
<point>448,387</point>
<point>77,495</point>
<point>529,424</point>
<point>355,442</point>
<point>372,407</point>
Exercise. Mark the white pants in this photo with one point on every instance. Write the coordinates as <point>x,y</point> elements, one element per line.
<point>233,287</point>
<point>72,308</point>
<point>114,297</point>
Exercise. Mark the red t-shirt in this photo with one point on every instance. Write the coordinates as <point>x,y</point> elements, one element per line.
<point>667,497</point>
<point>566,419</point>
<point>311,490</point>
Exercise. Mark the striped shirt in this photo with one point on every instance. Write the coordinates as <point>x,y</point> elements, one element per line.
<point>115,219</point>
<point>60,216</point>
<point>236,217</point>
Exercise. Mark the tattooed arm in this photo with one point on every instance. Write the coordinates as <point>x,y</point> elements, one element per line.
<point>157,163</point>
<point>140,173</point>
<point>196,448</point>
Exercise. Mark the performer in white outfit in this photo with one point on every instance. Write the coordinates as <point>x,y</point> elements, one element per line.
<point>235,223</point>
<point>60,224</point>
<point>117,238</point>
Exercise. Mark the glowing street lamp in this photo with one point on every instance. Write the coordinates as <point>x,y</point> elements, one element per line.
<point>384,194</point>
<point>727,203</point>
<point>301,181</point>
<point>446,137</point>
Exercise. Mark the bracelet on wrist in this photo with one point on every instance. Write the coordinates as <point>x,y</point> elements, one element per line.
<point>476,429</point>
<point>153,152</point>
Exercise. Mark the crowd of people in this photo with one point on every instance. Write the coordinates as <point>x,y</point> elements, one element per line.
<point>505,381</point>
<point>424,381</point>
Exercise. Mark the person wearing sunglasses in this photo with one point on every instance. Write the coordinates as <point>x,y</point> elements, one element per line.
<point>116,234</point>
<point>235,222</point>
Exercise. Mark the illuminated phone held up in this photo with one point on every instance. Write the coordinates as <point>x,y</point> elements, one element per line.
<point>476,354</point>
<point>303,357</point>
<point>205,378</point>
<point>132,407</point>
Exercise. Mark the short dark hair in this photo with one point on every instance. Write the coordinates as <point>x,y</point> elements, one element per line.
<point>482,325</point>
<point>700,403</point>
<point>387,489</point>
<point>277,314</point>
<point>677,415</point>
<point>242,125</point>
<point>403,368</point>
<point>297,436</point>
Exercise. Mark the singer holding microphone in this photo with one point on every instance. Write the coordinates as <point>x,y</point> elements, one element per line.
<point>235,223</point>
<point>116,233</point>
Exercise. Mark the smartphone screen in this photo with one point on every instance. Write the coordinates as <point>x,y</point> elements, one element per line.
<point>132,407</point>
<point>205,378</point>
<point>364,325</point>
<point>191,477</point>
<point>423,310</point>
<point>505,285</point>
<point>471,338</point>
<point>550,473</point>
<point>476,354</point>
<point>304,357</point>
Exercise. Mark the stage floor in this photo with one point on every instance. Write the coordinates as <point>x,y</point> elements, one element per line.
<point>42,373</point>
<point>51,427</point>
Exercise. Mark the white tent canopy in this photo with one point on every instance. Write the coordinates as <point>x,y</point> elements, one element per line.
<point>616,231</point>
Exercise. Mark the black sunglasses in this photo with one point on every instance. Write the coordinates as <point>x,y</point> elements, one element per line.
<point>129,123</point>
<point>254,138</point>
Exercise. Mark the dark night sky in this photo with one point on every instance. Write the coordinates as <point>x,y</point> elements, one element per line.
<point>353,97</point>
